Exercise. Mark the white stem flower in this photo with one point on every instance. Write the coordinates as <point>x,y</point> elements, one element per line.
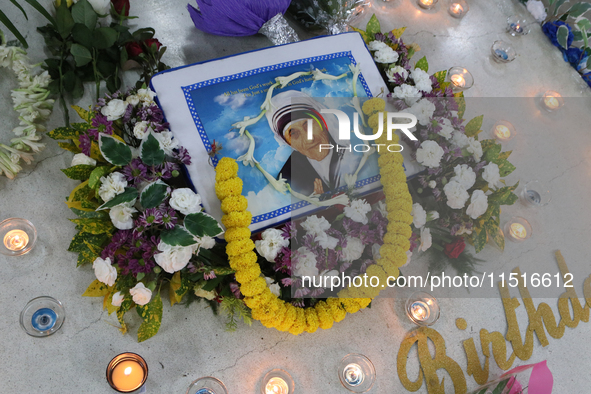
<point>357,105</point>
<point>248,159</point>
<point>280,184</point>
<point>319,75</point>
<point>284,81</point>
<point>247,121</point>
<point>356,70</point>
<point>341,199</point>
<point>266,106</point>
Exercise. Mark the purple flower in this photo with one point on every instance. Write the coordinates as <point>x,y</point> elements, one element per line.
<point>235,288</point>
<point>283,261</point>
<point>85,144</point>
<point>136,171</point>
<point>286,282</point>
<point>169,217</point>
<point>182,155</point>
<point>289,231</point>
<point>149,217</point>
<point>100,124</point>
<point>209,275</point>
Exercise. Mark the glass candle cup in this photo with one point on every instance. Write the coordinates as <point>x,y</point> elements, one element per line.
<point>207,385</point>
<point>277,381</point>
<point>17,236</point>
<point>42,316</point>
<point>536,193</point>
<point>517,229</point>
<point>127,373</point>
<point>422,308</point>
<point>460,78</point>
<point>357,373</point>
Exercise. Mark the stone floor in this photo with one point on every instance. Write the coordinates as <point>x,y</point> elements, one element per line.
<point>193,343</point>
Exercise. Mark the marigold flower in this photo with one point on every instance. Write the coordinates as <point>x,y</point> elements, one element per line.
<point>289,318</point>
<point>242,261</point>
<point>389,157</point>
<point>350,305</point>
<point>399,228</point>
<point>390,268</point>
<point>240,233</point>
<point>363,302</point>
<point>299,324</point>
<point>227,168</point>
<point>239,247</point>
<point>397,240</point>
<point>230,187</point>
<point>400,216</point>
<point>234,204</point>
<point>237,219</point>
<point>325,320</point>
<point>336,309</point>
<point>373,105</point>
<point>254,287</point>
<point>248,274</point>
<point>312,322</point>
<point>259,299</point>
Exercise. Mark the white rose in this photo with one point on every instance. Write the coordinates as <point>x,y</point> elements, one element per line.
<point>491,174</point>
<point>101,7</point>
<point>422,80</point>
<point>81,158</point>
<point>315,225</point>
<point>140,294</point>
<point>141,130</point>
<point>167,143</point>
<point>354,249</point>
<point>112,185</point>
<point>377,45</point>
<point>121,216</point>
<point>478,204</point>
<point>206,242</point>
<point>446,129</point>
<point>326,241</point>
<point>475,148</point>
<point>208,295</point>
<point>426,239</point>
<point>429,154</point>
<point>114,110</point>
<point>432,184</point>
<point>419,215</point>
<point>386,55</point>
<point>357,211</point>
<point>185,201</point>
<point>459,139</point>
<point>423,110</point>
<point>465,176</point>
<point>173,258</point>
<point>271,243</point>
<point>133,100</point>
<point>146,96</point>
<point>306,263</point>
<point>456,195</point>
<point>104,271</point>
<point>537,10</point>
<point>396,70</point>
<point>273,286</point>
<point>117,299</point>
<point>406,92</point>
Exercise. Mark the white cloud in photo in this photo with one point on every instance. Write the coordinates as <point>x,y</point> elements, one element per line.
<point>266,200</point>
<point>234,101</point>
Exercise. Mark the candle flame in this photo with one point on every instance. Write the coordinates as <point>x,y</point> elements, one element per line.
<point>502,132</point>
<point>16,240</point>
<point>518,231</point>
<point>127,371</point>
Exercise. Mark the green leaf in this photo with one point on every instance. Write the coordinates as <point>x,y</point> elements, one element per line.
<point>366,37</point>
<point>150,151</point>
<point>212,283</point>
<point>84,114</point>
<point>144,34</point>
<point>114,151</point>
<point>82,35</point>
<point>20,7</point>
<point>461,104</point>
<point>584,24</point>
<point>90,214</point>
<point>82,12</point>
<point>63,133</point>
<point>81,55</point>
<point>177,289</point>
<point>492,152</point>
<point>495,232</point>
<point>223,271</point>
<point>558,4</point>
<point>64,20</point>
<point>129,195</point>
<point>562,36</point>
<point>178,236</point>
<point>6,22</point>
<point>479,239</point>
<point>153,194</point>
<point>96,174</point>
<point>78,242</point>
<point>422,64</point>
<point>35,4</point>
<point>440,75</point>
<point>505,168</point>
<point>104,37</point>
<point>126,305</point>
<point>201,224</point>
<point>579,9</point>
<point>473,126</point>
<point>86,256</point>
<point>69,147</point>
<point>577,35</point>
<point>504,195</point>
<point>151,313</point>
<point>500,387</point>
<point>95,226</point>
<point>96,289</point>
<point>80,172</point>
<point>373,26</point>
<point>398,32</point>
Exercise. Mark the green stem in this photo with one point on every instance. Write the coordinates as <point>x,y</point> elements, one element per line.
<point>96,75</point>
<point>61,88</point>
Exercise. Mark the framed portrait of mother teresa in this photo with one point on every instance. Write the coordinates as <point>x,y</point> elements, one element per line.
<point>275,100</point>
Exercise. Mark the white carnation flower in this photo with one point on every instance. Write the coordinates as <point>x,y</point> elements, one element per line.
<point>146,96</point>
<point>419,215</point>
<point>386,55</point>
<point>456,195</point>
<point>432,215</point>
<point>429,154</point>
<point>464,175</point>
<point>133,100</point>
<point>396,70</point>
<point>491,174</point>
<point>104,271</point>
<point>315,225</point>
<point>112,185</point>
<point>122,216</point>
<point>141,129</point>
<point>353,250</point>
<point>114,109</point>
<point>271,243</point>
<point>306,263</point>
<point>273,286</point>
<point>422,80</point>
<point>326,241</point>
<point>446,128</point>
<point>357,211</point>
<point>432,184</point>
<point>406,92</point>
<point>174,258</point>
<point>377,45</point>
<point>478,204</point>
<point>167,143</point>
<point>537,10</point>
<point>375,251</point>
<point>185,201</point>
<point>117,299</point>
<point>140,294</point>
<point>423,110</point>
<point>206,242</point>
<point>81,158</point>
<point>426,239</point>
<point>475,148</point>
<point>459,139</point>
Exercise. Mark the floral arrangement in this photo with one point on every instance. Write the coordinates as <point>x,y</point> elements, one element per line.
<point>459,195</point>
<point>334,16</point>
<point>138,225</point>
<point>32,104</point>
<point>568,30</point>
<point>264,279</point>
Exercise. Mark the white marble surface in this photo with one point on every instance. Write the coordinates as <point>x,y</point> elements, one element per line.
<point>192,343</point>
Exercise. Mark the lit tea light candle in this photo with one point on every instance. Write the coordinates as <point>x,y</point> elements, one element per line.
<point>420,310</point>
<point>276,385</point>
<point>518,231</point>
<point>353,375</point>
<point>127,372</point>
<point>427,4</point>
<point>457,10</point>
<point>552,100</point>
<point>458,80</point>
<point>16,240</point>
<point>503,131</point>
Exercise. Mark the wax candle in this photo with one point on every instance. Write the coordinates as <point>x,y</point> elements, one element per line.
<point>128,375</point>
<point>503,131</point>
<point>16,240</point>
<point>518,231</point>
<point>353,374</point>
<point>419,310</point>
<point>552,100</point>
<point>426,4</point>
<point>276,385</point>
<point>456,10</point>
<point>458,80</point>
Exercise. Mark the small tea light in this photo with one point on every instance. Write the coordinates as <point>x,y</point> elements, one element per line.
<point>127,372</point>
<point>517,26</point>
<point>460,78</point>
<point>422,308</point>
<point>42,316</point>
<point>458,8</point>
<point>277,381</point>
<point>536,193</point>
<point>18,236</point>
<point>518,229</point>
<point>427,4</point>
<point>552,100</point>
<point>503,131</point>
<point>207,385</point>
<point>356,373</point>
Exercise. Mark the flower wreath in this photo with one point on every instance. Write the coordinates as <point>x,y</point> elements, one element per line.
<point>31,102</point>
<point>267,307</point>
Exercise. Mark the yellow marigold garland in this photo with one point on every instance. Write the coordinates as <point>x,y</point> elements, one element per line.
<point>268,308</point>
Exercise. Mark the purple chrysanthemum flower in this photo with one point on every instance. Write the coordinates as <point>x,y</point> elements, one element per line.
<point>169,217</point>
<point>209,275</point>
<point>235,288</point>
<point>289,231</point>
<point>286,282</point>
<point>85,144</point>
<point>182,155</point>
<point>136,171</point>
<point>283,261</point>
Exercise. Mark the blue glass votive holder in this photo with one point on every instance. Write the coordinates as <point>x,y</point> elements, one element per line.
<point>207,385</point>
<point>42,316</point>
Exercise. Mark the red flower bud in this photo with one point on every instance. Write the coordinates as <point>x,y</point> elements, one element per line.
<point>151,41</point>
<point>133,49</point>
<point>455,248</point>
<point>119,5</point>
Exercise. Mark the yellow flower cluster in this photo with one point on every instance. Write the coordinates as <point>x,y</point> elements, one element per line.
<point>274,312</point>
